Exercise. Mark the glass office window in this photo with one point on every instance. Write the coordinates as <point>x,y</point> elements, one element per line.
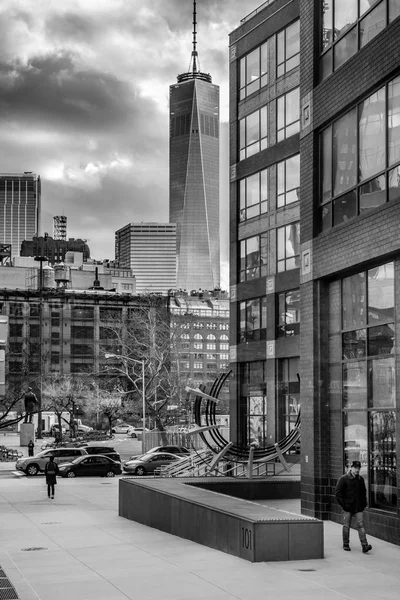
<point>253,71</point>
<point>253,133</point>
<point>371,131</point>
<point>369,380</point>
<point>288,114</point>
<point>394,121</point>
<point>288,251</point>
<point>289,313</point>
<point>288,49</point>
<point>383,459</point>
<point>288,394</point>
<point>348,26</point>
<point>253,257</point>
<point>358,152</point>
<point>288,180</point>
<point>253,319</point>
<point>253,195</point>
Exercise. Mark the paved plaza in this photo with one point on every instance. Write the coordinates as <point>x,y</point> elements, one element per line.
<point>77,547</point>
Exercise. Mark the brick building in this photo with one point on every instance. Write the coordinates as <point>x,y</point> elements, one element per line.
<point>315,187</point>
<point>203,320</point>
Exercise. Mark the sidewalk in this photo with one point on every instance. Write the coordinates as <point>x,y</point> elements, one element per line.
<point>77,546</point>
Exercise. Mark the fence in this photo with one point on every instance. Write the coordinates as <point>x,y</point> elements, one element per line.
<point>164,438</point>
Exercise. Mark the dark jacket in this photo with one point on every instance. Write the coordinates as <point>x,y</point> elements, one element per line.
<point>351,493</point>
<point>51,476</point>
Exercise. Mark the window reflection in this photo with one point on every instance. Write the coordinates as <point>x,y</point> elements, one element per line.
<point>345,48</point>
<point>372,24</point>
<point>394,10</point>
<point>394,184</point>
<point>288,180</point>
<point>354,344</point>
<point>381,294</point>
<point>345,16</point>
<point>355,385</point>
<point>353,301</point>
<point>344,208</point>
<point>253,132</point>
<point>381,339</point>
<point>346,26</point>
<point>288,49</point>
<point>373,194</point>
<point>358,147</point>
<point>253,257</point>
<point>344,152</point>
<point>289,313</point>
<point>356,440</point>
<point>254,71</point>
<point>288,114</point>
<point>288,241</point>
<point>394,120</point>
<point>371,128</point>
<point>382,389</point>
<point>383,464</point>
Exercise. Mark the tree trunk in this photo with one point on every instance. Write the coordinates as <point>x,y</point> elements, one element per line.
<point>110,420</point>
<point>160,427</point>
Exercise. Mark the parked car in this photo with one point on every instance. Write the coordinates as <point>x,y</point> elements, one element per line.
<point>107,450</point>
<point>123,428</point>
<point>147,464</point>
<point>138,430</point>
<point>99,465</point>
<point>35,464</point>
<point>178,450</point>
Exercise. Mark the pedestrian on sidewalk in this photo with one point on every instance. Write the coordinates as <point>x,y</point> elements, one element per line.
<point>351,494</point>
<point>31,447</point>
<point>51,471</point>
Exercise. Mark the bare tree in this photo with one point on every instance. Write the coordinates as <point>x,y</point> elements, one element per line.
<point>60,394</point>
<point>144,337</point>
<point>111,406</point>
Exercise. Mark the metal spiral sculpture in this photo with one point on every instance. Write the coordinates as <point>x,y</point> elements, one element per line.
<point>205,405</point>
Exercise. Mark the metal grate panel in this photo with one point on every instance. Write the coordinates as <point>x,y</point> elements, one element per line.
<point>8,594</point>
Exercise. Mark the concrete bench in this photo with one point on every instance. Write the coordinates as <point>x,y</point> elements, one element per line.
<point>224,519</point>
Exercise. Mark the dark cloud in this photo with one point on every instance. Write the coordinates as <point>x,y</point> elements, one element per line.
<point>54,90</point>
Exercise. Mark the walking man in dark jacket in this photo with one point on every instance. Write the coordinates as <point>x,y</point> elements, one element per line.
<point>351,494</point>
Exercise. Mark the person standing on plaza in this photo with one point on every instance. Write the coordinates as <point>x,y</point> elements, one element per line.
<point>31,447</point>
<point>51,471</point>
<point>351,494</point>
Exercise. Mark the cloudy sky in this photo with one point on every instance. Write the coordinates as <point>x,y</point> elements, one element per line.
<point>84,90</point>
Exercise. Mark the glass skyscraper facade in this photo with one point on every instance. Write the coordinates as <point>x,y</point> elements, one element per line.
<point>19,208</point>
<point>194,179</point>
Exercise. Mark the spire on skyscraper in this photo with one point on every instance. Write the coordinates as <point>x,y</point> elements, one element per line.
<point>194,65</point>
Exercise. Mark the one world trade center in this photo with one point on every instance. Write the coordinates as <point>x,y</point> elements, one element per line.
<point>194,175</point>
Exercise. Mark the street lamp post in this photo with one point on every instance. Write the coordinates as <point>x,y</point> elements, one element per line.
<point>41,259</point>
<point>141,362</point>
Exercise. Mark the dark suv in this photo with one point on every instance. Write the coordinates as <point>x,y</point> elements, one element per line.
<point>106,450</point>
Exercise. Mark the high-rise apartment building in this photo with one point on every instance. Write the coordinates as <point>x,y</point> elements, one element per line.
<point>194,176</point>
<point>19,208</point>
<point>315,251</point>
<point>60,227</point>
<point>149,249</point>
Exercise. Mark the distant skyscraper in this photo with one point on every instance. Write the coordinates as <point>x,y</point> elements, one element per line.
<point>60,227</point>
<point>194,175</point>
<point>19,208</point>
<point>149,249</point>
